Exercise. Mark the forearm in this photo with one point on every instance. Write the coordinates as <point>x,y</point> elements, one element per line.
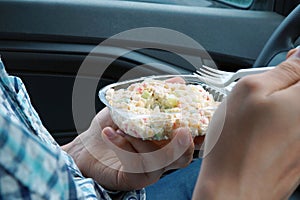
<point>213,186</point>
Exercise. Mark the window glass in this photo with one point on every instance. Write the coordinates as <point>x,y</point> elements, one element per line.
<point>202,3</point>
<point>239,3</point>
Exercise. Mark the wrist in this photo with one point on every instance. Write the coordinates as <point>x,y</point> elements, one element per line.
<point>73,148</point>
<point>204,190</point>
<point>76,149</point>
<point>218,183</point>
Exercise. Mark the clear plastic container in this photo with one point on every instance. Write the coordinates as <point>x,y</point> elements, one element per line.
<point>156,121</point>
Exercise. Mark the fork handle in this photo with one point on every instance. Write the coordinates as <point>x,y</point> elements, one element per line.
<point>249,71</point>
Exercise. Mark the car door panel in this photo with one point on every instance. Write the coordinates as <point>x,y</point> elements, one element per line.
<point>45,42</point>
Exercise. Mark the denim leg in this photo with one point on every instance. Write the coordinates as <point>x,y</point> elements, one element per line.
<point>178,185</point>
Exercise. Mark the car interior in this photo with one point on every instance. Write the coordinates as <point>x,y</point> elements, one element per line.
<point>45,42</point>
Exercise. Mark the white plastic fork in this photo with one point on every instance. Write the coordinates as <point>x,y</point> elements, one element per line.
<point>219,78</point>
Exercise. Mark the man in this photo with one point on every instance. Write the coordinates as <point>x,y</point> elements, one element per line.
<point>255,157</point>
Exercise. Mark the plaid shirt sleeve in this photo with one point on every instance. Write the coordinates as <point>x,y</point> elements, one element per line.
<point>32,165</point>
<point>30,169</point>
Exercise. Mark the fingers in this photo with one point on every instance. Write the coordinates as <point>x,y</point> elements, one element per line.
<point>166,154</point>
<point>116,140</point>
<point>291,52</point>
<point>284,75</point>
<point>182,148</point>
<point>131,161</point>
<point>140,156</point>
<point>290,97</point>
<point>293,91</point>
<point>176,80</point>
<point>198,140</point>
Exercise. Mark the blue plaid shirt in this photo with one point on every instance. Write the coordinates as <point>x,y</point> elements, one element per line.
<point>32,165</point>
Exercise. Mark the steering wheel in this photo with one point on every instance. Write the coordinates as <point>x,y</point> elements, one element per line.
<point>281,41</point>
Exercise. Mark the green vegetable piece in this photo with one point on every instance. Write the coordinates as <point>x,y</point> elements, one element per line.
<point>171,101</point>
<point>146,94</point>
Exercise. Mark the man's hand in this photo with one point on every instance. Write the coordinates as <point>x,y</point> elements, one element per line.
<point>254,138</point>
<point>120,162</point>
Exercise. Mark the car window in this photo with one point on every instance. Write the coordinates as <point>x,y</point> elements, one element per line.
<point>197,3</point>
<point>266,5</point>
<point>238,3</point>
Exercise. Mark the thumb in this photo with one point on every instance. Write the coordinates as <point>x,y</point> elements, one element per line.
<point>284,75</point>
<point>116,141</point>
<point>292,52</point>
<point>130,160</point>
<point>182,148</point>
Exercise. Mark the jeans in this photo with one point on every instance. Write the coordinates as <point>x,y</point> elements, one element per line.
<point>177,185</point>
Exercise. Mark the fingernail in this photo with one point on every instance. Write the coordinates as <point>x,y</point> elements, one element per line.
<point>119,132</point>
<point>109,133</point>
<point>297,53</point>
<point>184,141</point>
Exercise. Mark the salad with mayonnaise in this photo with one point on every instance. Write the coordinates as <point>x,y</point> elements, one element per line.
<point>152,109</point>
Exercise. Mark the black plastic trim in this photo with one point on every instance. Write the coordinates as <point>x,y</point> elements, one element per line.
<point>94,19</point>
